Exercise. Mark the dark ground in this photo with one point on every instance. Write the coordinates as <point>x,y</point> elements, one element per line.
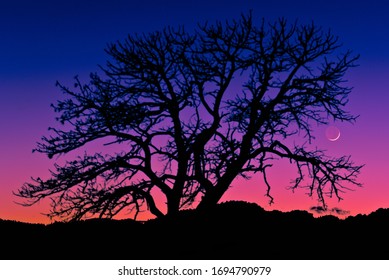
<point>234,230</point>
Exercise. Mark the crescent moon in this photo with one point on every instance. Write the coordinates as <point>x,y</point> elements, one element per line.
<point>336,138</point>
<point>333,133</point>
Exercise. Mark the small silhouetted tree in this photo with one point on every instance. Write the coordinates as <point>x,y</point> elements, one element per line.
<point>190,112</point>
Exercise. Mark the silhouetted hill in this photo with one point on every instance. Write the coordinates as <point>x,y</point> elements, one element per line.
<point>232,230</point>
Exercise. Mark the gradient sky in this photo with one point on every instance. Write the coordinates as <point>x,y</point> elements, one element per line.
<point>45,41</point>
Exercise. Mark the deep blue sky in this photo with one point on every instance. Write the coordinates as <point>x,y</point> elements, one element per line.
<point>60,37</point>
<point>45,41</point>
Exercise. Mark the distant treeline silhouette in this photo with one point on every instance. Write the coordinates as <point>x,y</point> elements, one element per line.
<point>232,230</point>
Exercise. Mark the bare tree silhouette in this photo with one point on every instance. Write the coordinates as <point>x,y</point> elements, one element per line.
<point>190,112</point>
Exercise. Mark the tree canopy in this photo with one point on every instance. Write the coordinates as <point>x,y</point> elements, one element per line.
<point>189,112</point>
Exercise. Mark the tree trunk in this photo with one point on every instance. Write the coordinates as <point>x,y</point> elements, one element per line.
<point>207,202</point>
<point>211,198</point>
<point>173,204</point>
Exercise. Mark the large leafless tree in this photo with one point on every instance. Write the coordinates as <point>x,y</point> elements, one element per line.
<point>189,112</point>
